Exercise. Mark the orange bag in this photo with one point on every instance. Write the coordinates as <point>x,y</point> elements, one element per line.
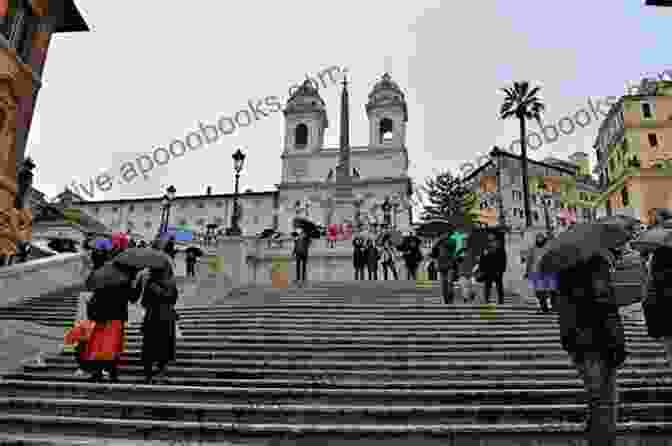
<point>80,332</point>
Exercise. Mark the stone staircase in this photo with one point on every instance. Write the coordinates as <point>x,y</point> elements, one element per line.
<point>57,309</point>
<point>364,363</point>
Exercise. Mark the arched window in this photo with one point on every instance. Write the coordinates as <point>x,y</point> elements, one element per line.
<point>386,127</point>
<point>301,136</point>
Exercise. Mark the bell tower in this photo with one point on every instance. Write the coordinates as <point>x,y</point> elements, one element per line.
<point>387,113</point>
<point>305,120</point>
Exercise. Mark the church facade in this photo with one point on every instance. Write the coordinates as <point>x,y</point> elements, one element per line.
<point>327,185</point>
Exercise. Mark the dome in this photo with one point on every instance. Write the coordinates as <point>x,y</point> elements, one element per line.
<point>307,91</point>
<point>306,99</point>
<point>386,83</point>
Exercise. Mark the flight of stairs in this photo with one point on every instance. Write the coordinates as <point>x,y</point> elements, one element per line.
<point>56,309</point>
<point>365,363</point>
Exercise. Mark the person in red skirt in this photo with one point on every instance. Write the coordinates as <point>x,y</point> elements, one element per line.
<point>108,308</point>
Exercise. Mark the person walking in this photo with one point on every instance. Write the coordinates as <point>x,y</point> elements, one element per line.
<point>412,258</point>
<point>159,296</point>
<point>445,253</point>
<point>108,308</point>
<point>372,257</point>
<point>536,279</point>
<point>191,263</point>
<point>591,331</point>
<point>358,257</point>
<point>492,265</point>
<point>388,259</point>
<point>171,249</point>
<point>300,253</point>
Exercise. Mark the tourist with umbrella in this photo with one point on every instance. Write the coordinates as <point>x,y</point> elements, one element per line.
<point>447,255</point>
<point>412,255</point>
<point>657,305</point>
<point>591,330</point>
<point>192,253</point>
<point>108,308</point>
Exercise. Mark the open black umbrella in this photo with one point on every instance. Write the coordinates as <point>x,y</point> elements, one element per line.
<point>629,223</point>
<point>139,258</point>
<point>656,237</point>
<point>581,243</point>
<point>266,233</point>
<point>198,252</point>
<point>310,228</point>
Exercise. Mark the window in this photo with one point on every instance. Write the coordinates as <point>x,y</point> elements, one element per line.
<point>131,208</point>
<point>257,203</point>
<point>646,110</point>
<point>386,127</point>
<point>517,195</point>
<point>200,221</point>
<point>183,205</point>
<point>96,210</point>
<point>115,209</point>
<point>201,205</point>
<point>255,220</point>
<point>301,136</point>
<point>653,140</point>
<point>219,204</point>
<point>148,208</point>
<point>148,224</point>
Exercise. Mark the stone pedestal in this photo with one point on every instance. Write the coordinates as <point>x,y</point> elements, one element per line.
<point>232,253</point>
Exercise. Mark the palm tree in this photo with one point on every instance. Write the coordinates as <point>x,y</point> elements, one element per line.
<point>522,103</point>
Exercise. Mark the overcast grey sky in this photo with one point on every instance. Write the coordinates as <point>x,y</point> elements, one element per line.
<point>151,70</point>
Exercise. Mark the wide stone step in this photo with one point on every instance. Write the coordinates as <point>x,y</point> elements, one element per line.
<point>322,433</point>
<point>626,378</point>
<point>317,393</point>
<point>365,377</point>
<point>131,409</point>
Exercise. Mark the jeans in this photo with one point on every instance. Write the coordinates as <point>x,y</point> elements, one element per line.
<point>498,279</point>
<point>447,290</point>
<point>359,273</point>
<point>373,272</point>
<point>301,262</point>
<point>191,270</point>
<point>393,268</point>
<point>599,380</point>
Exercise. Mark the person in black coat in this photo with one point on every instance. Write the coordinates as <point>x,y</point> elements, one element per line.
<point>412,258</point>
<point>358,257</point>
<point>372,257</point>
<point>493,265</point>
<point>158,327</point>
<point>591,331</point>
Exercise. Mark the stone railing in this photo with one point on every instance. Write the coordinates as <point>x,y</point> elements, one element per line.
<point>42,276</point>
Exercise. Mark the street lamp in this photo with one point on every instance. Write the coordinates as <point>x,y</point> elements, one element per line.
<point>166,202</point>
<point>545,196</point>
<point>359,200</point>
<point>238,160</point>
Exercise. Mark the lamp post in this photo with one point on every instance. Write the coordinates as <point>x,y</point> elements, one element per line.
<point>359,200</point>
<point>238,160</point>
<point>166,202</point>
<point>545,196</point>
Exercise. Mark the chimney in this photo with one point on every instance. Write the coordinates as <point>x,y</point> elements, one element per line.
<point>208,191</point>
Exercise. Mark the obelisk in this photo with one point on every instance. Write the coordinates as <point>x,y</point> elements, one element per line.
<point>343,197</point>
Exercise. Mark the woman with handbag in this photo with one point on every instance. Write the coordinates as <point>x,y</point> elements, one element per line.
<point>159,296</point>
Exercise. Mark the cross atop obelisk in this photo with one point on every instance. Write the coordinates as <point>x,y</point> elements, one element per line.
<point>343,171</point>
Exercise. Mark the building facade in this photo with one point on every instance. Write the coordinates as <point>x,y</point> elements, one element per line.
<point>634,151</point>
<point>26,28</point>
<point>378,174</point>
<point>570,190</point>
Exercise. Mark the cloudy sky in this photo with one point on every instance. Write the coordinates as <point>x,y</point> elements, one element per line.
<point>150,71</point>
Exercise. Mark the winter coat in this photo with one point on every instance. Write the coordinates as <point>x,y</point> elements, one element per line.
<point>658,306</point>
<point>493,261</point>
<point>158,327</point>
<point>301,246</point>
<point>588,314</point>
<point>358,255</point>
<point>372,257</point>
<point>444,251</point>
<point>413,257</point>
<point>111,304</point>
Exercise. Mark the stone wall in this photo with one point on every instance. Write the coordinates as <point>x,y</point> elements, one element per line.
<point>42,276</point>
